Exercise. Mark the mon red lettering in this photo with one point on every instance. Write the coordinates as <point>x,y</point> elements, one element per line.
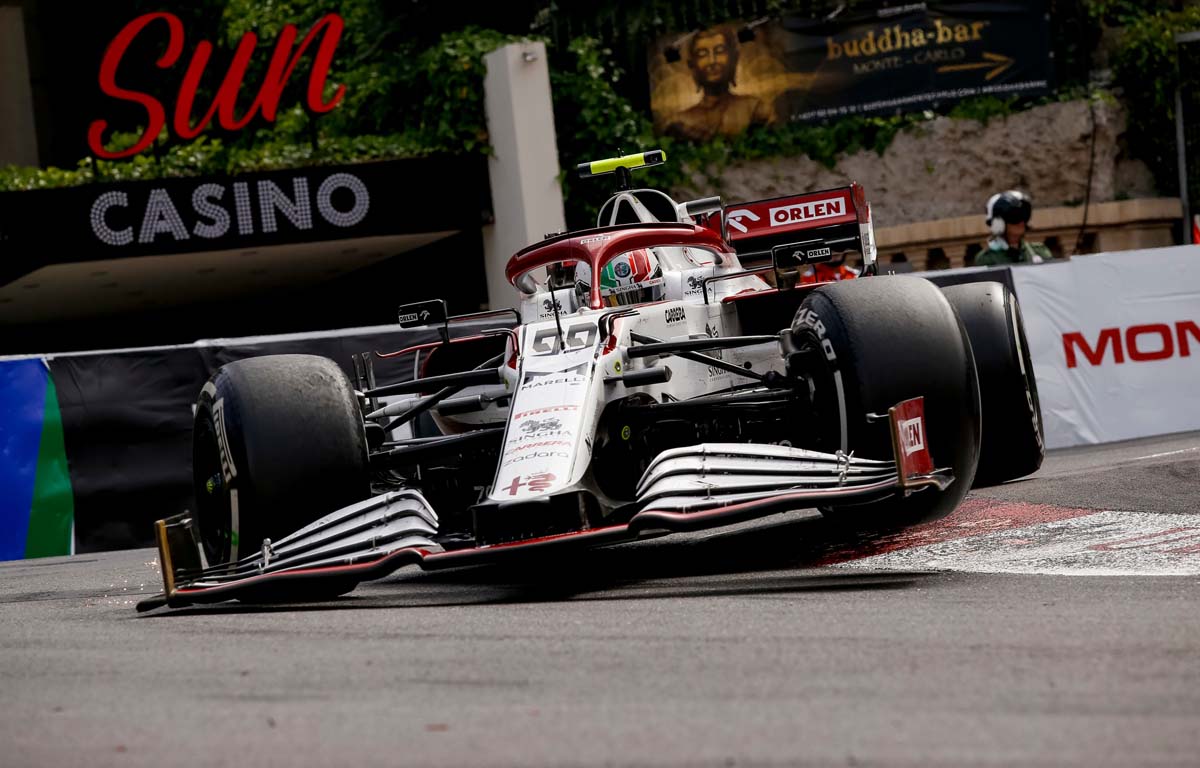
<point>1142,343</point>
<point>1166,347</point>
<point>1184,329</point>
<point>1095,356</point>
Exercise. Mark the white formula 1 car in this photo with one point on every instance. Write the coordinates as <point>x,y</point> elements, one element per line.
<point>651,384</point>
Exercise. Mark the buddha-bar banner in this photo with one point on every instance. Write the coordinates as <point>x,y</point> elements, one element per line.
<point>722,80</point>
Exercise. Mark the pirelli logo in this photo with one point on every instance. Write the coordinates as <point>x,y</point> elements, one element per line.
<point>813,211</point>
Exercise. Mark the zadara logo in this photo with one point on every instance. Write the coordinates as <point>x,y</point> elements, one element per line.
<point>1138,343</point>
<point>184,123</point>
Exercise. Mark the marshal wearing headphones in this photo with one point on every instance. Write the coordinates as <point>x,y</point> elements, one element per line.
<point>1008,215</point>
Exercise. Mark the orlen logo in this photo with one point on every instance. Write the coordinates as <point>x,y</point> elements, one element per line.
<point>1154,341</point>
<point>822,209</point>
<point>912,435</point>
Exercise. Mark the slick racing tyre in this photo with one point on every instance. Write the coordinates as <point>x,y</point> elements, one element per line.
<point>278,441</point>
<point>1012,416</point>
<point>868,344</point>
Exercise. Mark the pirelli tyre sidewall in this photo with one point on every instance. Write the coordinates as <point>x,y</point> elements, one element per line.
<point>1013,444</point>
<point>867,345</point>
<point>278,441</point>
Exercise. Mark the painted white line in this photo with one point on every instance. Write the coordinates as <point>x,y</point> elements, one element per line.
<point>1100,544</point>
<point>1168,453</point>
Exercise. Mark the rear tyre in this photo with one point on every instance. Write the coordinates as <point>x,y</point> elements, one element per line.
<point>868,344</point>
<point>278,441</point>
<point>1012,416</point>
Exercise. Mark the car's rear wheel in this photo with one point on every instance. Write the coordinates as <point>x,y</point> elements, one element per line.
<point>278,441</point>
<point>869,344</point>
<point>1012,415</point>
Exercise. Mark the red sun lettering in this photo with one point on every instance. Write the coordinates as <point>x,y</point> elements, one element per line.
<point>266,103</point>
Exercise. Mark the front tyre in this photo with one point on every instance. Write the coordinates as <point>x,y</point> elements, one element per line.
<point>278,441</point>
<point>865,346</point>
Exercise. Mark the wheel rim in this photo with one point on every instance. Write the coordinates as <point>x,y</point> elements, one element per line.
<point>213,508</point>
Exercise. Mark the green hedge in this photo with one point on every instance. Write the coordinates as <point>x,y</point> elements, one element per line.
<point>402,102</point>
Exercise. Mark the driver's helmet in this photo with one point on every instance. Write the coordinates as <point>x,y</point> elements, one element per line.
<point>631,278</point>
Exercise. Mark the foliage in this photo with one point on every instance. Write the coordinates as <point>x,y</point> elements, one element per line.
<point>593,121</point>
<point>1121,12</point>
<point>443,84</point>
<point>449,77</point>
<point>1145,66</point>
<point>412,91</point>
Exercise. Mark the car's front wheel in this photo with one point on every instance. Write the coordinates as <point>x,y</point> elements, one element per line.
<point>868,344</point>
<point>277,442</point>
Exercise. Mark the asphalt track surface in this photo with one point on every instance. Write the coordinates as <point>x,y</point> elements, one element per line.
<point>985,639</point>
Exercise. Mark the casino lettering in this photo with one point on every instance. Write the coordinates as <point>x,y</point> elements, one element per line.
<point>214,210</point>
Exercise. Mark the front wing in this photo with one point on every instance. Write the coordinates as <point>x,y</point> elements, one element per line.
<point>683,489</point>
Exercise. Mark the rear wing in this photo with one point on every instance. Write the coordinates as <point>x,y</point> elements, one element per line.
<point>804,229</point>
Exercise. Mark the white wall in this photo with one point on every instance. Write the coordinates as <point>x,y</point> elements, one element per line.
<point>526,195</point>
<point>18,134</point>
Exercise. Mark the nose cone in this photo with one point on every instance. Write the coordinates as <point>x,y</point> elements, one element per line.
<point>547,441</point>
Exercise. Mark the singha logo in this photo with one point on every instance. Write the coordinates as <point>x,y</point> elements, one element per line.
<point>695,282</point>
<point>711,332</point>
<point>549,306</point>
<point>538,426</point>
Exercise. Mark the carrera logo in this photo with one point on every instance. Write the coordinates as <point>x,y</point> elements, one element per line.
<point>530,446</point>
<point>1138,343</point>
<point>912,435</point>
<point>674,315</point>
<point>597,239</point>
<point>814,211</point>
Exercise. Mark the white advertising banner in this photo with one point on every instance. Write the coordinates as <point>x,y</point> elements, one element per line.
<point>1115,342</point>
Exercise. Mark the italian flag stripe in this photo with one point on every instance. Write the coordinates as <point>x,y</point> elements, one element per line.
<point>52,513</point>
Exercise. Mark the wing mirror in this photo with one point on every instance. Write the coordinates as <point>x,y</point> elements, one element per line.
<point>526,284</point>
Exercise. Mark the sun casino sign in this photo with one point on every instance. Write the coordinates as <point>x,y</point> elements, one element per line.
<point>284,59</point>
<point>212,210</point>
<point>163,216</point>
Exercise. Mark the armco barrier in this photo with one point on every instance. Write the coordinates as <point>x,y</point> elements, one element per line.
<point>122,421</point>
